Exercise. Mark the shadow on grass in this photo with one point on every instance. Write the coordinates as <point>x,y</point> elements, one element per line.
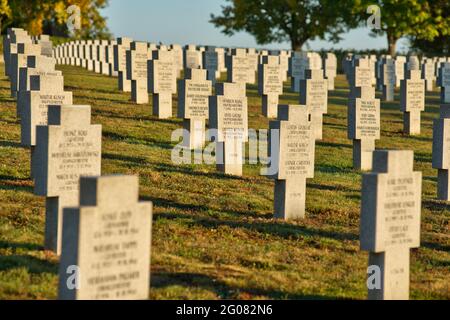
<point>137,141</point>
<point>32,264</point>
<point>323,168</point>
<point>289,231</point>
<point>11,144</point>
<point>164,167</point>
<point>199,209</point>
<point>18,184</point>
<point>161,280</point>
<point>334,145</point>
<point>124,158</point>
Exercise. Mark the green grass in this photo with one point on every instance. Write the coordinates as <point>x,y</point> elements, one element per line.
<point>214,236</point>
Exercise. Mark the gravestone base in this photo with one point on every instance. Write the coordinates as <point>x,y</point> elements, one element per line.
<point>443,185</point>
<point>363,154</point>
<point>290,198</point>
<point>388,93</point>
<point>270,105</point>
<point>411,123</point>
<point>162,105</point>
<point>139,92</point>
<point>194,134</point>
<point>229,157</point>
<point>53,220</point>
<point>124,83</point>
<point>394,267</point>
<point>317,125</point>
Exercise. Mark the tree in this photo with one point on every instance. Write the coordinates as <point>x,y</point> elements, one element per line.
<point>50,17</point>
<point>439,46</point>
<point>420,19</point>
<point>296,21</point>
<point>5,12</point>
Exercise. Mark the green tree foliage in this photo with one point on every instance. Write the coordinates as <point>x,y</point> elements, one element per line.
<point>5,11</point>
<point>50,17</point>
<point>422,20</point>
<point>296,21</point>
<point>439,46</point>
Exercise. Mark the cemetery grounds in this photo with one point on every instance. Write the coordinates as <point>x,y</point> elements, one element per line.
<point>214,236</point>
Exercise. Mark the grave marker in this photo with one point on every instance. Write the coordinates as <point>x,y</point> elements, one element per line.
<point>108,239</point>
<point>120,63</point>
<point>270,85</point>
<point>412,101</point>
<point>162,82</point>
<point>441,152</point>
<point>314,95</point>
<point>68,148</point>
<point>193,107</point>
<point>137,62</point>
<point>390,220</point>
<point>291,149</point>
<point>228,114</point>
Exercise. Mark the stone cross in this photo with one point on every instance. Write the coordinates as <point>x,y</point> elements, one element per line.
<point>192,57</point>
<point>330,69</point>
<point>221,61</point>
<point>291,149</point>
<point>211,63</point>
<point>238,67</point>
<point>412,101</point>
<point>45,90</point>
<point>270,85</point>
<point>193,107</point>
<point>110,59</point>
<point>107,237</point>
<point>412,64</point>
<point>314,95</point>
<point>253,62</point>
<point>19,60</point>
<point>390,222</point>
<point>120,63</point>
<point>137,62</point>
<point>296,70</point>
<point>441,152</point>
<point>400,62</point>
<point>10,41</point>
<point>178,57</point>
<point>36,65</point>
<point>388,80</point>
<point>68,148</point>
<point>363,116</point>
<point>228,115</point>
<point>444,82</point>
<point>162,82</point>
<point>284,64</point>
<point>428,74</point>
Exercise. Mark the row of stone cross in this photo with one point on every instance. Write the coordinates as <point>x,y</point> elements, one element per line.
<point>95,223</point>
<point>108,236</point>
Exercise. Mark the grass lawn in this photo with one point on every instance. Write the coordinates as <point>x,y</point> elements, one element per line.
<point>213,235</point>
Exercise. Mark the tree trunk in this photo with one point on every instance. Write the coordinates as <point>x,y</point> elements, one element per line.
<point>392,43</point>
<point>297,44</point>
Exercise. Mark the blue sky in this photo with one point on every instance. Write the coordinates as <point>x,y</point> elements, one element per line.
<point>186,22</point>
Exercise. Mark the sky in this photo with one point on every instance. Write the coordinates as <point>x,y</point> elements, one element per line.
<point>187,22</point>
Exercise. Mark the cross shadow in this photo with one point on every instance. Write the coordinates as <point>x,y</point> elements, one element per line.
<point>286,230</point>
<point>11,144</point>
<point>161,279</point>
<point>138,141</point>
<point>19,261</point>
